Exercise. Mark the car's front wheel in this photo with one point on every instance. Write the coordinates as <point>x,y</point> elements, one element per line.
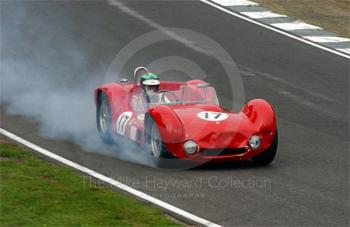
<point>266,157</point>
<point>159,152</point>
<point>104,118</point>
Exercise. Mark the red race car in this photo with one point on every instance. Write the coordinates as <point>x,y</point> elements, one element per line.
<point>184,120</point>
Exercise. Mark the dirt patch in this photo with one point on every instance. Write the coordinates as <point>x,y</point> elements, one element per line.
<point>3,140</point>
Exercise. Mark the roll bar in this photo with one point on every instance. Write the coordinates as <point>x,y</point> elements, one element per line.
<point>135,73</point>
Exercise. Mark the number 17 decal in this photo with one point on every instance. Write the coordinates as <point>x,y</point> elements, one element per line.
<point>122,122</point>
<point>212,116</point>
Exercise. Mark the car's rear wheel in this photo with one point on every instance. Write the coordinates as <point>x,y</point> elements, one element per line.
<point>104,118</point>
<point>266,157</point>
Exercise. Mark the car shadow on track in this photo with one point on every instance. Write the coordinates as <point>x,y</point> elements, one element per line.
<point>229,166</point>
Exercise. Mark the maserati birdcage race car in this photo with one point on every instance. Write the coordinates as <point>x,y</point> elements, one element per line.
<point>183,120</point>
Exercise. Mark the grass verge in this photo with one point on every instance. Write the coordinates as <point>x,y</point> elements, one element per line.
<point>331,15</point>
<point>36,193</point>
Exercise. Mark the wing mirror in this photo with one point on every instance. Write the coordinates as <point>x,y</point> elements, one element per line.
<point>123,81</point>
<point>203,85</point>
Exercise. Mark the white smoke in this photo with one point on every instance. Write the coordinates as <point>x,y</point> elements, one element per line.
<point>49,77</point>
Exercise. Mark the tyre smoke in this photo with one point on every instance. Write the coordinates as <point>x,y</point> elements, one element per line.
<point>49,76</point>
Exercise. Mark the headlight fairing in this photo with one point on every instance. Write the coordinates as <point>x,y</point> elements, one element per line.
<point>254,142</point>
<point>191,147</point>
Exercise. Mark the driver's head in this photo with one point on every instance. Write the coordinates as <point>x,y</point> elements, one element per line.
<point>149,84</point>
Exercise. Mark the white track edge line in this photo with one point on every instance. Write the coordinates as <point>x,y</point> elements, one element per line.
<point>263,15</point>
<point>111,181</point>
<point>224,9</point>
<point>235,2</point>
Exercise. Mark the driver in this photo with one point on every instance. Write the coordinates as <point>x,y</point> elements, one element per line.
<point>149,85</point>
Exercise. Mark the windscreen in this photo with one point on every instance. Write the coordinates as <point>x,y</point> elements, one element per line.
<point>187,94</point>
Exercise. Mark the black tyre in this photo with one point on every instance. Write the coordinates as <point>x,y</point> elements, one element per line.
<point>268,155</point>
<point>159,152</point>
<point>104,119</point>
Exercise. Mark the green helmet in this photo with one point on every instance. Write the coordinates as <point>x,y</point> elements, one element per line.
<point>150,79</point>
<point>149,84</point>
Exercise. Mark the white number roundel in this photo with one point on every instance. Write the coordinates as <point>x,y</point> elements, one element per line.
<point>122,122</point>
<point>212,116</point>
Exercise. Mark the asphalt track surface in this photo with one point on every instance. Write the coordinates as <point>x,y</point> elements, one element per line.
<point>308,182</point>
